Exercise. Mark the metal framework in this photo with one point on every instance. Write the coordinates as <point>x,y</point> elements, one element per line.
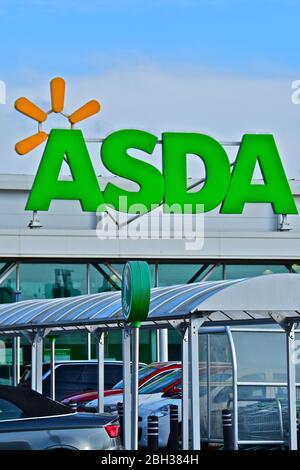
<point>188,308</point>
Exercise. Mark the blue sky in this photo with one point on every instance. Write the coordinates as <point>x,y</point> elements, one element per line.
<point>219,67</point>
<point>259,38</point>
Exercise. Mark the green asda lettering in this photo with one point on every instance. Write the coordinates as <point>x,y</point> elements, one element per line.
<point>225,188</point>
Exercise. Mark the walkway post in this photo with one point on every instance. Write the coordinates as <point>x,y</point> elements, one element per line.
<point>163,344</point>
<point>185,389</point>
<point>33,365</point>
<point>195,324</point>
<point>52,366</point>
<point>15,361</point>
<point>100,355</point>
<point>126,388</point>
<point>16,340</point>
<point>235,411</point>
<point>291,368</point>
<point>135,386</point>
<point>37,361</point>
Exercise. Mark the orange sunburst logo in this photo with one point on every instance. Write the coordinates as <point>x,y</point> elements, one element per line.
<point>57,89</point>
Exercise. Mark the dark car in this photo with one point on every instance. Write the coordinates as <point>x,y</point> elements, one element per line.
<point>30,421</point>
<point>73,377</point>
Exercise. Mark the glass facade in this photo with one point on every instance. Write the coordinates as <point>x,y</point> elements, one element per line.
<point>47,281</point>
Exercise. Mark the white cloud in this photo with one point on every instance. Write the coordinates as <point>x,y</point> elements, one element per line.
<point>150,98</point>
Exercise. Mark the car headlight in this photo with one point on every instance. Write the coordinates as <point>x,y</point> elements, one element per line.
<point>162,411</point>
<point>110,408</point>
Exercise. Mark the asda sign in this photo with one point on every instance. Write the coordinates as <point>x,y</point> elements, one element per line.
<point>225,188</point>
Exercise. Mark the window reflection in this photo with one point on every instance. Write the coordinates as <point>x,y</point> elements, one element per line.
<point>42,281</point>
<point>261,356</point>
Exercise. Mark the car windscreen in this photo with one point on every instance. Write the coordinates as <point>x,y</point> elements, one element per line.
<point>142,374</point>
<point>159,385</point>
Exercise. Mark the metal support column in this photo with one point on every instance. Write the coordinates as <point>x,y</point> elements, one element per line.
<point>291,367</point>
<point>135,387</point>
<point>235,410</point>
<point>163,345</point>
<point>195,324</point>
<point>52,367</point>
<point>100,348</point>
<point>127,387</point>
<point>16,361</point>
<point>88,291</point>
<point>185,389</point>
<point>37,362</point>
<point>16,339</point>
<point>89,346</point>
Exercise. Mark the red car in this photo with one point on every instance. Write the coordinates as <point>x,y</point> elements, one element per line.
<point>146,375</point>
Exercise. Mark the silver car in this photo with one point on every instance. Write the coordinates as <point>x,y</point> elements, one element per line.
<point>29,421</point>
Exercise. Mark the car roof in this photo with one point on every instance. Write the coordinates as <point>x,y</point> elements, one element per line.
<point>33,404</point>
<point>165,364</point>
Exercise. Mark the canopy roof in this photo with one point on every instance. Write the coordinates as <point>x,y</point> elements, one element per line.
<point>239,300</point>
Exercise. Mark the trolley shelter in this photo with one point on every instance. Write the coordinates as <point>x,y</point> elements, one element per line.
<point>209,317</point>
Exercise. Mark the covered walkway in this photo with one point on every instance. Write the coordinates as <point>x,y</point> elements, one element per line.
<point>269,298</point>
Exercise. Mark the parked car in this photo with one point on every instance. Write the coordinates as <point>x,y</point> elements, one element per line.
<point>73,377</point>
<point>146,374</point>
<point>220,398</point>
<point>30,421</point>
<point>154,389</point>
<point>156,396</point>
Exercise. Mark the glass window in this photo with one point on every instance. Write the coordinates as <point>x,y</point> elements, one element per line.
<point>10,411</point>
<point>67,381</point>
<point>68,373</point>
<point>295,268</point>
<point>8,287</point>
<point>261,357</point>
<point>100,282</point>
<point>159,376</point>
<point>237,271</point>
<point>112,374</point>
<point>203,342</point>
<point>89,377</point>
<point>220,356</point>
<point>216,274</point>
<point>262,413</point>
<point>220,376</point>
<point>159,385</point>
<point>142,374</point>
<point>220,398</point>
<point>105,280</point>
<point>172,274</point>
<point>44,281</point>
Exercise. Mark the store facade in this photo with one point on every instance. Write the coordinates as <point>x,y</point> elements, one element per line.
<point>62,257</point>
